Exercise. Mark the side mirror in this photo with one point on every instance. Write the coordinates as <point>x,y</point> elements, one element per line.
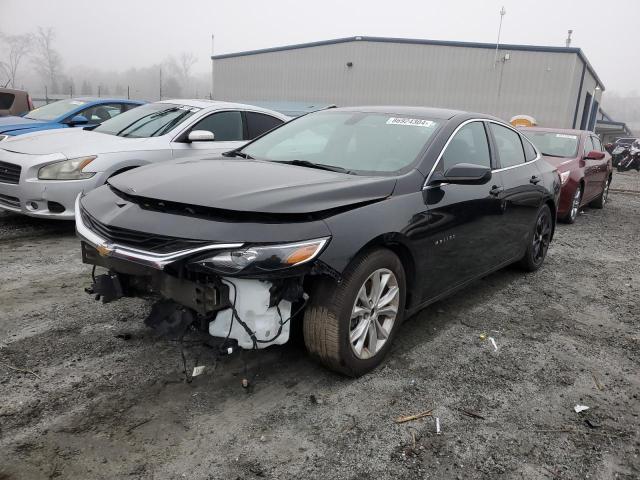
<point>78,120</point>
<point>200,136</point>
<point>594,155</point>
<point>463,174</point>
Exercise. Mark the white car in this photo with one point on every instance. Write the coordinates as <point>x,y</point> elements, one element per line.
<point>41,174</point>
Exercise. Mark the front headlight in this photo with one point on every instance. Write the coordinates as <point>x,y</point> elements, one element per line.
<point>67,169</point>
<point>261,258</point>
<point>564,177</point>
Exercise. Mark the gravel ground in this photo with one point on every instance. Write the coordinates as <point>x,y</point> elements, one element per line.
<point>86,391</point>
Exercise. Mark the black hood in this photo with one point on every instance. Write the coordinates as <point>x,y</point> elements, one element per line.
<point>251,186</point>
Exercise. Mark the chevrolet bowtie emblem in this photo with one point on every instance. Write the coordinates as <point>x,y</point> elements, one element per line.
<point>104,250</point>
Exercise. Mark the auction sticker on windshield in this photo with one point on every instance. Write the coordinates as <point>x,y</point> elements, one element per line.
<point>415,122</point>
<point>564,135</point>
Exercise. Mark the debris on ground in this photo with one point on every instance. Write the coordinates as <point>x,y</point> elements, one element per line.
<point>438,426</point>
<point>410,418</point>
<point>590,424</point>
<point>198,370</point>
<point>471,414</point>
<point>493,342</point>
<point>597,382</point>
<point>580,408</point>
<point>21,370</point>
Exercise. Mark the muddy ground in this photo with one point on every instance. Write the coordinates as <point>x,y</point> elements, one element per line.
<point>86,391</point>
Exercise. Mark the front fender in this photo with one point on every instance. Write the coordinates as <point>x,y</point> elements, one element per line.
<point>111,163</point>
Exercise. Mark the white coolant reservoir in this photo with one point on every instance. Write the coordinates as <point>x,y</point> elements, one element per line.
<point>252,306</point>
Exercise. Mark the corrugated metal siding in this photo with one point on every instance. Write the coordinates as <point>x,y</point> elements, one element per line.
<point>541,84</point>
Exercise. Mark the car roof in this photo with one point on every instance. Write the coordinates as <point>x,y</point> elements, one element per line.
<point>437,113</point>
<point>218,104</point>
<point>106,100</point>
<point>13,91</point>
<point>568,131</point>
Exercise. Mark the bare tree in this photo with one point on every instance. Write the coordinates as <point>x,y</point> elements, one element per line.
<point>14,51</point>
<point>186,61</point>
<point>46,59</point>
<point>181,68</point>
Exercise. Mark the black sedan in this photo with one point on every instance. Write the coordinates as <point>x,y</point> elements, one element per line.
<point>347,220</point>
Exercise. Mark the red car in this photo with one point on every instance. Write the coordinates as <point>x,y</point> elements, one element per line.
<point>583,164</point>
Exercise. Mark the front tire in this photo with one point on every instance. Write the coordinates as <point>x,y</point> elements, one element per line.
<point>539,241</point>
<point>601,201</point>
<point>575,207</point>
<point>349,326</point>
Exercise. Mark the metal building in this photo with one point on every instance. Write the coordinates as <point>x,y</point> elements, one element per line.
<point>556,85</point>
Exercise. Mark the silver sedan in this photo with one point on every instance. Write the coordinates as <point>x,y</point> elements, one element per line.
<point>42,173</point>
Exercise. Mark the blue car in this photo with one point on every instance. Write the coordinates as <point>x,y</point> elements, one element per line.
<point>72,112</point>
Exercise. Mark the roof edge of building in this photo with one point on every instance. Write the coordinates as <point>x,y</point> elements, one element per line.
<point>414,41</point>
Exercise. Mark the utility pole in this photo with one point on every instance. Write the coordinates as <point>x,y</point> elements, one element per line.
<point>128,97</point>
<point>503,12</point>
<point>212,68</point>
<point>160,83</point>
<point>568,41</point>
<point>98,91</point>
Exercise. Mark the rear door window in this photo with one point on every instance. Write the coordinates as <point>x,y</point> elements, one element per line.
<point>259,123</point>
<point>469,145</point>
<point>509,146</point>
<point>225,126</point>
<point>6,100</point>
<point>596,144</point>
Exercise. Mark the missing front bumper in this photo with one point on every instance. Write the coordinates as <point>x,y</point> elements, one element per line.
<point>254,313</point>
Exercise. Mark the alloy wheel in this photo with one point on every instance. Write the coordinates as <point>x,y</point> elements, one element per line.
<point>374,313</point>
<point>541,237</point>
<point>605,194</point>
<point>575,203</point>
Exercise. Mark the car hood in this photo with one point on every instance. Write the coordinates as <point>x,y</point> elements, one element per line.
<point>251,186</point>
<point>7,124</point>
<point>71,142</point>
<point>561,163</point>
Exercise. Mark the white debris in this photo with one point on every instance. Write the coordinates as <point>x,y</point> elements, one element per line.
<point>580,408</point>
<point>197,371</point>
<point>437,425</point>
<point>493,342</point>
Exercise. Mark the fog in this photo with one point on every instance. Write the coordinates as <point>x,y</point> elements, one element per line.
<point>114,44</point>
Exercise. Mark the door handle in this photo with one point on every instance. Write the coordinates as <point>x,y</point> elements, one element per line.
<point>496,190</point>
<point>535,179</point>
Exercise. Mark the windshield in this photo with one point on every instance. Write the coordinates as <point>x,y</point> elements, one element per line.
<point>54,110</point>
<point>353,141</point>
<point>151,120</point>
<point>555,144</point>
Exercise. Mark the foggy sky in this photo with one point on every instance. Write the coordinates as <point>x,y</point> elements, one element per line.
<point>119,34</point>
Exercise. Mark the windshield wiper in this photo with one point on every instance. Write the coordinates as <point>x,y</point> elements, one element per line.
<point>237,153</point>
<point>319,166</point>
<point>552,155</point>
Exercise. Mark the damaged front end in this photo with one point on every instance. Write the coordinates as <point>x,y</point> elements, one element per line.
<point>246,293</point>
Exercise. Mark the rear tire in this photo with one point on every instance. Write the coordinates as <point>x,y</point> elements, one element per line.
<point>539,240</point>
<point>601,201</point>
<point>342,334</point>
<point>575,207</point>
